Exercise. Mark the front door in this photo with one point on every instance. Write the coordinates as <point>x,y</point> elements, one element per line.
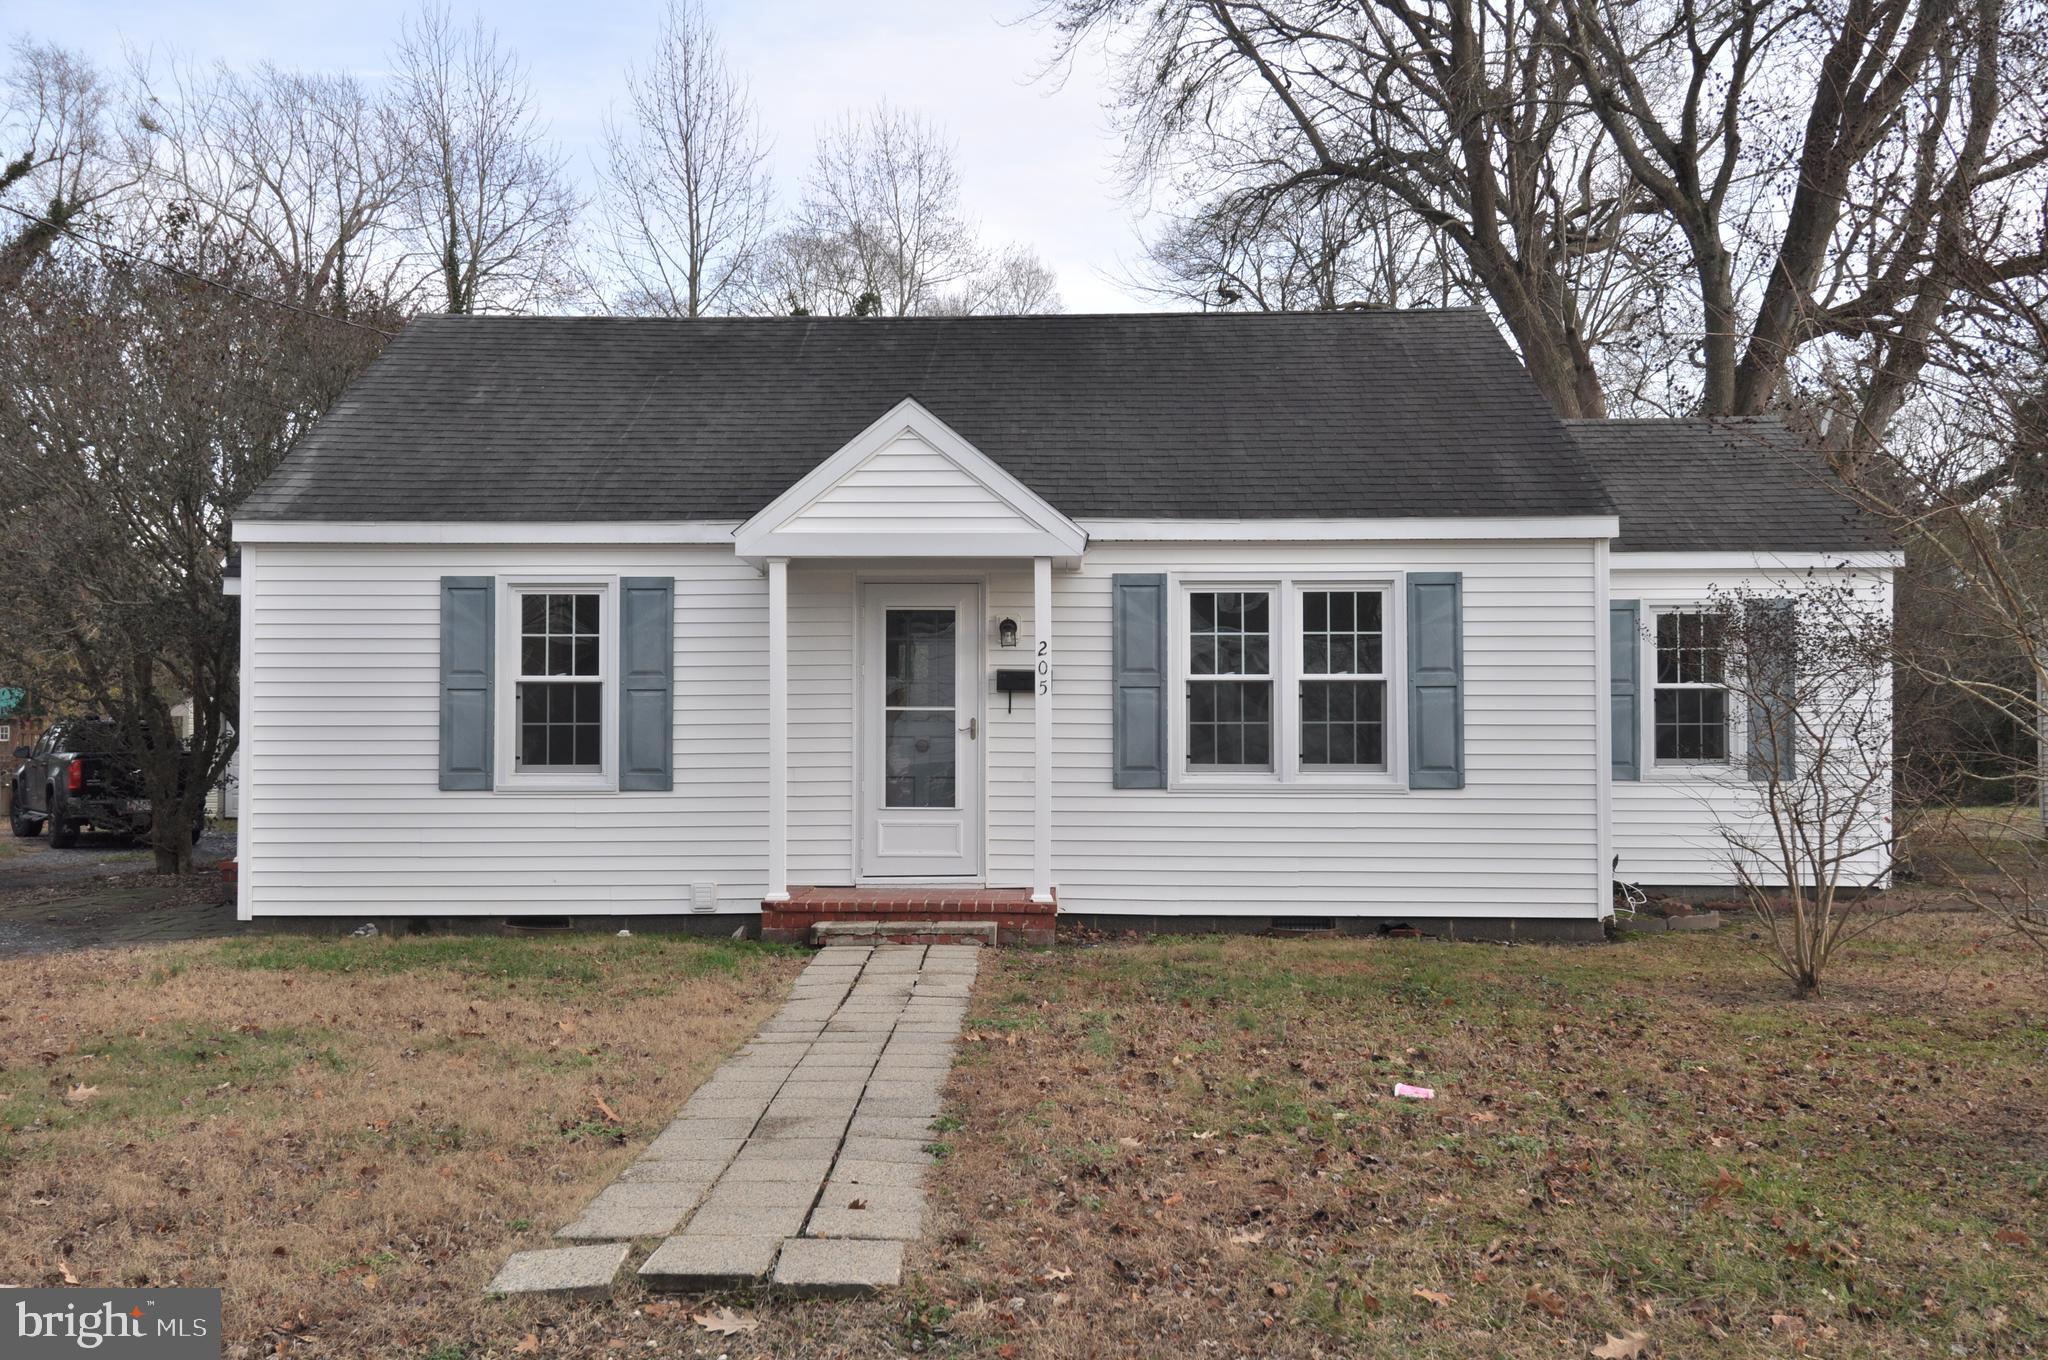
<point>920,724</point>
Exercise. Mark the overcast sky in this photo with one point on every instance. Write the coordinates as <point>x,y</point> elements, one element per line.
<point>1037,156</point>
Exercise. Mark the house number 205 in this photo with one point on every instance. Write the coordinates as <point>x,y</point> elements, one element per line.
<point>1044,668</point>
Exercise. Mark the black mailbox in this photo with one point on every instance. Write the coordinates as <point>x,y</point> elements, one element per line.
<point>1013,681</point>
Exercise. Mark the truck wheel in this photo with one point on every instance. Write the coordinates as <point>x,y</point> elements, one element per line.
<point>63,834</point>
<point>20,823</point>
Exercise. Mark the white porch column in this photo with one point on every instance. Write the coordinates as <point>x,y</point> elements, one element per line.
<point>1041,718</point>
<point>778,729</point>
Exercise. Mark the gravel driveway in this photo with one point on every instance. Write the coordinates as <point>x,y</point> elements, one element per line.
<point>103,891</point>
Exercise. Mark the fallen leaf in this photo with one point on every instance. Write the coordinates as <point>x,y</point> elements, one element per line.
<point>2012,1237</point>
<point>1055,1273</point>
<point>608,1112</point>
<point>856,1204</point>
<point>1549,1300</point>
<point>661,1308</point>
<point>1278,1289</point>
<point>1627,1346</point>
<point>64,1269</point>
<point>1436,1297</point>
<point>369,1283</point>
<point>725,1322</point>
<point>1128,1142</point>
<point>530,1346</point>
<point>1245,1237</point>
<point>81,1093</point>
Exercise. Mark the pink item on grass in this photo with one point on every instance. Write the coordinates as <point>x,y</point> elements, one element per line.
<point>1407,1092</point>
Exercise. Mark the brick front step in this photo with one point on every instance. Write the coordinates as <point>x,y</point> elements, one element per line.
<point>1017,919</point>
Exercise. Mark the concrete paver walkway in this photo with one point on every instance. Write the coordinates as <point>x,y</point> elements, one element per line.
<point>802,1159</point>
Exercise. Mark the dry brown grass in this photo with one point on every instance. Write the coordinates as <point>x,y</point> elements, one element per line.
<point>1650,1138</point>
<point>1171,1149</point>
<point>347,1137</point>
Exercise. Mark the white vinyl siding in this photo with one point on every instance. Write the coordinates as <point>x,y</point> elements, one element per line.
<point>345,816</point>
<point>1520,840</point>
<point>907,486</point>
<point>1667,824</point>
<point>344,811</point>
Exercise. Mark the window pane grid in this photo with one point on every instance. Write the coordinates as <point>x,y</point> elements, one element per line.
<point>1343,692</point>
<point>1230,689</point>
<point>1691,699</point>
<point>560,720</point>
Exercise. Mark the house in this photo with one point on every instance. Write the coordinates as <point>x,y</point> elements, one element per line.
<point>1192,621</point>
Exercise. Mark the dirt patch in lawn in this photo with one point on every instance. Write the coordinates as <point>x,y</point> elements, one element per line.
<point>1193,1149</point>
<point>348,1136</point>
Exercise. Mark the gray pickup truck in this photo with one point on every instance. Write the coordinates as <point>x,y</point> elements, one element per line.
<point>79,776</point>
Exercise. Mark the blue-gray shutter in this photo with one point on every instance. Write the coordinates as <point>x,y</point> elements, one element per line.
<point>1139,680</point>
<point>1771,648</point>
<point>467,606</point>
<point>1436,680</point>
<point>1625,687</point>
<point>647,682</point>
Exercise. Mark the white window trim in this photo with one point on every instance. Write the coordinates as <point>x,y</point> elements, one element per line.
<point>1679,770</point>
<point>509,777</point>
<point>1285,665</point>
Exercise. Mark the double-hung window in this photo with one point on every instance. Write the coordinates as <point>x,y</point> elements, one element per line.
<point>1691,692</point>
<point>1287,680</point>
<point>1230,680</point>
<point>1343,680</point>
<point>559,703</point>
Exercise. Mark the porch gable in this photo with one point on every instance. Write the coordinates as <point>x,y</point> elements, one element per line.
<point>909,486</point>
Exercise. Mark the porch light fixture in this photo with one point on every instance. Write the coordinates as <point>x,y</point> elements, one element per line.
<point>1006,633</point>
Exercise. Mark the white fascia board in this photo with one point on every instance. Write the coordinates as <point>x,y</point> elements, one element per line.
<point>795,544</point>
<point>1757,561</point>
<point>1345,530</point>
<point>503,532</point>
<point>762,536</point>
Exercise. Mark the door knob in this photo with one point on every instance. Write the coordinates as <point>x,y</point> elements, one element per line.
<point>969,729</point>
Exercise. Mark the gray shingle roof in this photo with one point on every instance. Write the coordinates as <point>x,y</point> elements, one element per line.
<point>1314,416</point>
<point>1723,485</point>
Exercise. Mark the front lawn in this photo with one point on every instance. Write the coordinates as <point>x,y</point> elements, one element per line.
<point>349,1136</point>
<point>1172,1149</point>
<point>1192,1148</point>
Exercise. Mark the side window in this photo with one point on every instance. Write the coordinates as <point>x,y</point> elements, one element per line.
<point>1230,680</point>
<point>1343,680</point>
<point>1691,699</point>
<point>560,687</point>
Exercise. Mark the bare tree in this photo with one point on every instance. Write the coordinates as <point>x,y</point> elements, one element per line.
<point>801,272</point>
<point>883,186</point>
<point>1886,203</point>
<point>137,408</point>
<point>1013,283</point>
<point>59,150</point>
<point>1858,182</point>
<point>685,194</point>
<point>1805,811</point>
<point>491,211</point>
<point>1312,250</point>
<point>304,172</point>
<point>1453,109</point>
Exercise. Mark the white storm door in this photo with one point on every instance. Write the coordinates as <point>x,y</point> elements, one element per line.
<point>920,724</point>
